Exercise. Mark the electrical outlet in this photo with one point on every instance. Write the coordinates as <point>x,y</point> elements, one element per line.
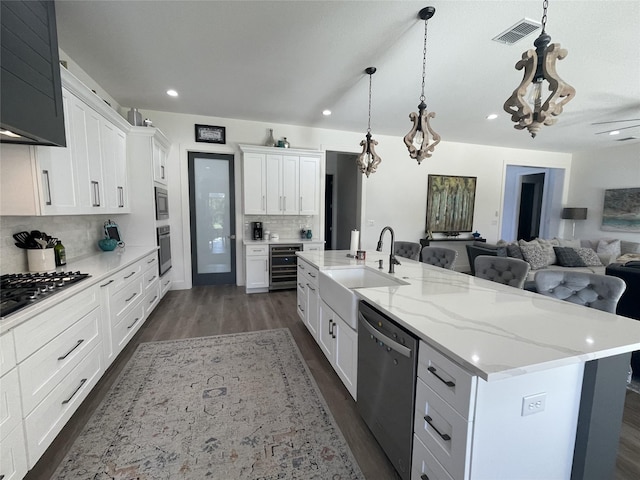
<point>533,404</point>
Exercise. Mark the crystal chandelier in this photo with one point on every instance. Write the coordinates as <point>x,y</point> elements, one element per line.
<point>421,139</point>
<point>526,105</point>
<point>369,160</point>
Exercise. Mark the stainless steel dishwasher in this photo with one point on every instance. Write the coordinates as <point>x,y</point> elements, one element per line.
<point>387,368</point>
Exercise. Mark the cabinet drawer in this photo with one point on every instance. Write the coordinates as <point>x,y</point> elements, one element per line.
<point>125,329</point>
<point>455,385</point>
<point>13,457</point>
<point>126,276</point>
<point>7,353</point>
<point>35,333</point>
<point>424,465</point>
<point>123,300</point>
<point>150,262</point>
<point>10,413</point>
<point>302,302</point>
<point>149,277</point>
<point>165,284</point>
<point>151,298</point>
<point>442,430</point>
<point>42,371</point>
<point>253,250</point>
<point>47,419</point>
<point>310,272</point>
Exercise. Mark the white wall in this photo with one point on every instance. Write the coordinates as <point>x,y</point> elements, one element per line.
<point>395,195</point>
<point>595,171</point>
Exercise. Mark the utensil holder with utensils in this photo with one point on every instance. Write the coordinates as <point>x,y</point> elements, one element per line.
<point>41,260</point>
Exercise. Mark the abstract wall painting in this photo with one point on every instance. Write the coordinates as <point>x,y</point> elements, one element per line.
<point>621,212</point>
<point>450,202</point>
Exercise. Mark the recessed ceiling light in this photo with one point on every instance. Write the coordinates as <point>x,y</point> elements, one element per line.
<point>172,93</point>
<point>326,113</point>
<point>493,116</point>
<point>615,132</point>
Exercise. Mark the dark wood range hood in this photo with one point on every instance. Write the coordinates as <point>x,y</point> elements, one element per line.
<point>31,90</point>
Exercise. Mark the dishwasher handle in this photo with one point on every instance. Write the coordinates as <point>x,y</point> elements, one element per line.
<point>392,344</point>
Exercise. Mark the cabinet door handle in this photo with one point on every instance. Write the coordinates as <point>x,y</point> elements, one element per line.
<point>105,284</point>
<point>300,285</point>
<point>96,195</point>
<point>300,202</point>
<point>162,172</point>
<point>82,382</point>
<point>312,275</point>
<point>284,204</point>
<point>266,265</point>
<point>120,197</point>
<point>262,203</point>
<point>154,299</point>
<point>132,273</point>
<point>429,420</point>
<point>131,297</point>
<point>72,349</point>
<point>301,309</point>
<point>45,175</point>
<point>151,260</point>
<point>448,383</point>
<point>331,327</point>
<point>134,322</point>
<point>152,279</point>
<point>311,288</point>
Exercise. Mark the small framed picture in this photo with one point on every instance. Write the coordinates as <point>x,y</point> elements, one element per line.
<point>210,134</point>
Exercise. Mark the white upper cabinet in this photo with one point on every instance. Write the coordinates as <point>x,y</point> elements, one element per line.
<point>281,181</point>
<point>159,163</point>
<point>255,183</point>
<point>87,176</point>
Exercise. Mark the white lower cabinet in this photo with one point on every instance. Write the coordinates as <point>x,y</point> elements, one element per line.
<point>464,426</point>
<point>339,342</point>
<point>13,459</point>
<point>13,456</point>
<point>308,296</point>
<point>257,268</point>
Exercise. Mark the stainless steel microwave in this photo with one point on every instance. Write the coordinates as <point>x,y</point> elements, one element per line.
<point>162,204</point>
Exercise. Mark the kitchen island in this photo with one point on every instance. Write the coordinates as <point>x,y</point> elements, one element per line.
<point>514,345</point>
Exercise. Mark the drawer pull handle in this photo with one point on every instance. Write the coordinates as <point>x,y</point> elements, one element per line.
<point>131,297</point>
<point>154,299</point>
<point>152,279</point>
<point>82,382</point>
<point>445,437</point>
<point>311,288</point>
<point>151,261</point>
<point>72,349</point>
<point>424,477</point>
<point>105,284</point>
<point>312,275</point>
<point>128,276</point>
<point>448,383</point>
<point>134,322</point>
<point>301,309</point>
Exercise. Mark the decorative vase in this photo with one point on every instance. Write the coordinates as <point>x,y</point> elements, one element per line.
<point>271,142</point>
<point>309,234</point>
<point>286,144</point>
<point>134,117</point>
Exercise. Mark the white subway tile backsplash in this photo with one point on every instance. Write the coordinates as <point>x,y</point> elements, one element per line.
<point>287,226</point>
<point>79,235</point>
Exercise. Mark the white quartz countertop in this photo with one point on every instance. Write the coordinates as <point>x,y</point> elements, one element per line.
<point>99,266</point>
<point>492,330</point>
<point>287,241</point>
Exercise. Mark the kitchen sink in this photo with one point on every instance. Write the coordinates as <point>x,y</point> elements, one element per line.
<point>337,285</point>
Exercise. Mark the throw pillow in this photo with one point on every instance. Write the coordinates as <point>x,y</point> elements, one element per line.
<point>589,257</point>
<point>569,243</point>
<point>547,248</point>
<point>534,256</point>
<point>611,247</point>
<point>568,257</point>
<point>514,251</point>
<point>501,251</point>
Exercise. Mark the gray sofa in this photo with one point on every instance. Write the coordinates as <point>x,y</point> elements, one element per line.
<point>541,254</point>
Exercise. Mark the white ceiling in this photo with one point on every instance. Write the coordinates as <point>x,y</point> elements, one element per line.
<point>283,62</point>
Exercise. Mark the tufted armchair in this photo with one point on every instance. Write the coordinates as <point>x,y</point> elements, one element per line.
<point>588,289</point>
<point>407,250</point>
<point>440,257</point>
<point>505,270</point>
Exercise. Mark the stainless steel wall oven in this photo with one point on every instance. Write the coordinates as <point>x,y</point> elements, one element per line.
<point>164,250</point>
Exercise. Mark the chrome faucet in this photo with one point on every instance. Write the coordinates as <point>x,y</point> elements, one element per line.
<point>392,257</point>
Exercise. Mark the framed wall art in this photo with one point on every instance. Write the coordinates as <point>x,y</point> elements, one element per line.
<point>210,134</point>
<point>450,202</point>
<point>621,212</point>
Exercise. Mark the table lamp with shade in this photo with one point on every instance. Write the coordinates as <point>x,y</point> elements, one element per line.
<point>574,214</point>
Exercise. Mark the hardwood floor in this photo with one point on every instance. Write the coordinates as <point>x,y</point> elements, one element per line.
<point>204,311</point>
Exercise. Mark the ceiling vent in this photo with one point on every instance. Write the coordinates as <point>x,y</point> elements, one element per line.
<point>517,32</point>
<point>627,138</point>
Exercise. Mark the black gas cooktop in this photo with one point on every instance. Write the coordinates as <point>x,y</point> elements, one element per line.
<point>20,290</point>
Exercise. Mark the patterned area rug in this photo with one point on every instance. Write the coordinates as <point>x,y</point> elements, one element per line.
<point>240,406</point>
